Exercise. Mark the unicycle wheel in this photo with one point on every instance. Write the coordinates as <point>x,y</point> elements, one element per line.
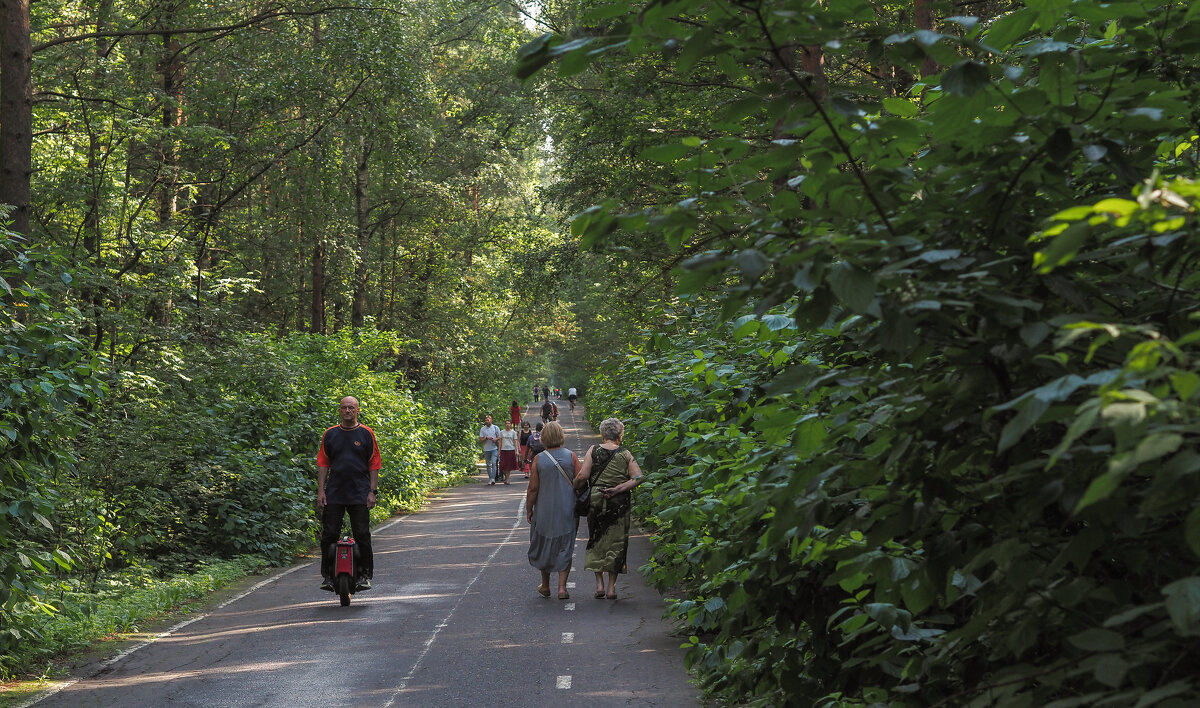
<point>343,589</point>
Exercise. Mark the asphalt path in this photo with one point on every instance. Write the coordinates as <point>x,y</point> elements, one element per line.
<point>453,619</point>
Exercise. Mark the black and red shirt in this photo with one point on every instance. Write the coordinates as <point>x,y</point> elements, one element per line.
<point>350,455</point>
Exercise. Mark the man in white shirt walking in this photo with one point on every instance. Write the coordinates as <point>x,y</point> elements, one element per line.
<point>489,435</point>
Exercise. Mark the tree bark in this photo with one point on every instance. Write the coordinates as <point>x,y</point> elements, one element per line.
<point>16,110</point>
<point>172,70</point>
<point>363,215</point>
<point>923,18</point>
<point>318,284</point>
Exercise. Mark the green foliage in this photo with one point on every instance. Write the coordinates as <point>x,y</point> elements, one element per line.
<point>223,455</point>
<point>48,377</point>
<point>921,431</point>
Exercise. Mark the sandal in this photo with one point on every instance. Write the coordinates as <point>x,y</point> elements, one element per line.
<point>612,596</point>
<point>543,590</point>
<point>599,595</point>
<point>564,595</point>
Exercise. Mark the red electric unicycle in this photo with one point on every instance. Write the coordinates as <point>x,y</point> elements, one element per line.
<point>345,562</point>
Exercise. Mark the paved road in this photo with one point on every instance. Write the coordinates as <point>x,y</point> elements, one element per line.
<point>453,619</point>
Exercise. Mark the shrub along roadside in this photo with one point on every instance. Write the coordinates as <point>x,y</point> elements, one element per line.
<point>968,473</point>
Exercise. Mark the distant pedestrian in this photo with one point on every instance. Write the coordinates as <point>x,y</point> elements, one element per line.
<point>509,448</point>
<point>613,473</point>
<point>535,393</point>
<point>489,436</point>
<point>547,411</point>
<point>526,433</point>
<point>572,396</point>
<point>535,441</point>
<point>545,392</point>
<point>514,413</point>
<point>550,509</point>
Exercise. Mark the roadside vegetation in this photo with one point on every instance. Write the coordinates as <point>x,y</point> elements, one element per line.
<point>922,413</point>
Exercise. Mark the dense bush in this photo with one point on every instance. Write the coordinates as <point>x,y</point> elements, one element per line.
<point>951,459</point>
<point>219,461</point>
<point>47,378</point>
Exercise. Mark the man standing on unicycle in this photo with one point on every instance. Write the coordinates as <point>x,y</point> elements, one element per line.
<point>348,465</point>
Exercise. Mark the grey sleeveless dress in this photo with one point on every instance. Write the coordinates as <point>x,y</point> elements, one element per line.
<point>552,533</point>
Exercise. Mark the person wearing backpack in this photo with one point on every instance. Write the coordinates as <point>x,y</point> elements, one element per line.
<point>525,456</point>
<point>534,446</point>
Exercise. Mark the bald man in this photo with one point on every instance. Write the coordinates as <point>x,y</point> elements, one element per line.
<point>348,465</point>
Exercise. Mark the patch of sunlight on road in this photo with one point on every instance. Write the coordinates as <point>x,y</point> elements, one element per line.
<point>208,672</point>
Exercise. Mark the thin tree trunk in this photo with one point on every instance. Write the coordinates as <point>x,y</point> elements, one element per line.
<point>173,70</point>
<point>92,236</point>
<point>318,285</point>
<point>16,110</point>
<point>923,18</point>
<point>363,214</point>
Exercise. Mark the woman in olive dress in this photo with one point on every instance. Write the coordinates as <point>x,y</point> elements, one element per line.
<point>614,473</point>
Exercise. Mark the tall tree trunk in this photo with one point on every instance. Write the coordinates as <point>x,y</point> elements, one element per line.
<point>318,285</point>
<point>363,222</point>
<point>172,70</point>
<point>16,110</point>
<point>92,236</point>
<point>923,18</point>
<point>814,66</point>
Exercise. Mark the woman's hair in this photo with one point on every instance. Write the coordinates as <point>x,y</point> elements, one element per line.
<point>611,429</point>
<point>515,403</point>
<point>508,423</point>
<point>524,424</point>
<point>552,435</point>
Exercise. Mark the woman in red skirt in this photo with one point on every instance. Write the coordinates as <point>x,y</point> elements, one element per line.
<point>514,412</point>
<point>509,447</point>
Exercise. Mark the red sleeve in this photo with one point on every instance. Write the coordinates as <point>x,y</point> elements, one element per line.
<point>375,463</point>
<point>322,458</point>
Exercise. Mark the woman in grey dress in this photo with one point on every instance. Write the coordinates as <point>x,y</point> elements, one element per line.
<point>550,508</point>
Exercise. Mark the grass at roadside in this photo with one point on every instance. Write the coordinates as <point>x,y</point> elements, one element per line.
<point>117,606</point>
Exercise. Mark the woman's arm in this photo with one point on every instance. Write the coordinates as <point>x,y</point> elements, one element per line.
<point>635,478</point>
<point>582,472</point>
<point>531,492</point>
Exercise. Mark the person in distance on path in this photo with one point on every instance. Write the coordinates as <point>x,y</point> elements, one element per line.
<point>613,473</point>
<point>535,393</point>
<point>489,435</point>
<point>524,440</point>
<point>514,413</point>
<point>509,451</point>
<point>572,396</point>
<point>550,510</point>
<point>348,465</point>
<point>545,392</point>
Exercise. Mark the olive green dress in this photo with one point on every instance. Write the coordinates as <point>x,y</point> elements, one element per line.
<point>608,519</point>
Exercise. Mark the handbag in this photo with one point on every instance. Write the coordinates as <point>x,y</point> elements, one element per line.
<point>583,500</point>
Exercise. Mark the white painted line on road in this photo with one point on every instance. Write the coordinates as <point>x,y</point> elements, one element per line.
<point>563,682</point>
<point>446,620</point>
<point>570,584</point>
<point>569,606</point>
<point>568,638</point>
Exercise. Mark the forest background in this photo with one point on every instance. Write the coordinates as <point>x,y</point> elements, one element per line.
<point>897,299</point>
